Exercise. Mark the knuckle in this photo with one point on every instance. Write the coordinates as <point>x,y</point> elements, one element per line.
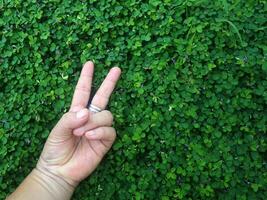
<point>65,116</point>
<point>114,133</point>
<point>64,119</point>
<point>109,116</point>
<point>82,87</point>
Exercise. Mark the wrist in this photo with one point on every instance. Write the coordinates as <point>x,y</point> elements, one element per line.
<point>55,186</point>
<point>55,171</point>
<point>42,186</point>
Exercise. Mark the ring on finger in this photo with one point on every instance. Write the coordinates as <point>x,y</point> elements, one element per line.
<point>94,108</point>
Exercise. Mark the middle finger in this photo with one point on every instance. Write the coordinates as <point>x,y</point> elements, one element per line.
<point>103,94</point>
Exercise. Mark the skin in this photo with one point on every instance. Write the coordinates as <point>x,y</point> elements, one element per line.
<point>77,143</point>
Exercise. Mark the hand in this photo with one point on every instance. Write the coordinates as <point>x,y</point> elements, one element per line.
<point>81,138</point>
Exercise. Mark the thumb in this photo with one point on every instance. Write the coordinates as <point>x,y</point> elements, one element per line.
<point>71,120</point>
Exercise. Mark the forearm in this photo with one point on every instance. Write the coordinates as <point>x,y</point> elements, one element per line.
<point>42,186</point>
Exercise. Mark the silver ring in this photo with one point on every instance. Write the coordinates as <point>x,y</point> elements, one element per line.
<point>94,109</point>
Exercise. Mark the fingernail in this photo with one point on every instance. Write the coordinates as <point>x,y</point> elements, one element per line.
<point>90,133</point>
<point>82,113</point>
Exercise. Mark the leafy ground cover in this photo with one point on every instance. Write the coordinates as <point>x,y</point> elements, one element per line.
<point>190,109</point>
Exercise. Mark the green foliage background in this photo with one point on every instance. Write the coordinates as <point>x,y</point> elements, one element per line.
<point>190,108</point>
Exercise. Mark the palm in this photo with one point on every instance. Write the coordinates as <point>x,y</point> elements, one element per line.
<point>76,157</point>
<point>86,157</point>
<point>70,153</point>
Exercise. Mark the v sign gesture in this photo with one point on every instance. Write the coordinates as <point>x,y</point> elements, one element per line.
<point>77,143</point>
<point>81,138</point>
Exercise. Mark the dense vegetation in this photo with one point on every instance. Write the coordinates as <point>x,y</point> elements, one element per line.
<point>190,108</point>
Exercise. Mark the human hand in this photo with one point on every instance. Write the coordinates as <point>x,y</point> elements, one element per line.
<point>81,138</point>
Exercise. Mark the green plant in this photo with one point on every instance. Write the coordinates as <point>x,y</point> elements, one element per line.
<point>190,109</point>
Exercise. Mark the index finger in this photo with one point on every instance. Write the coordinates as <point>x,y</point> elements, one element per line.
<point>103,94</point>
<point>83,87</point>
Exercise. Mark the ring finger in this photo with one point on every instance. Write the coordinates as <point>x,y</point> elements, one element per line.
<point>104,118</point>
